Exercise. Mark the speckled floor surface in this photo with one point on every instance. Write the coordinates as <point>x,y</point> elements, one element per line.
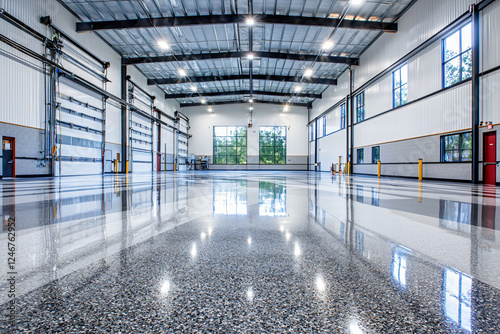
<point>251,252</point>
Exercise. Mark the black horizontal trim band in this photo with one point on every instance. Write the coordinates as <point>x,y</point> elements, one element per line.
<point>235,18</point>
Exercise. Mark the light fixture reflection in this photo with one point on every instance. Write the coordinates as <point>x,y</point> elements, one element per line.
<point>297,251</point>
<point>288,236</point>
<point>210,230</point>
<point>282,229</point>
<point>249,241</point>
<point>320,283</point>
<point>203,235</point>
<point>193,250</point>
<point>250,294</point>
<point>354,327</point>
<point>165,287</point>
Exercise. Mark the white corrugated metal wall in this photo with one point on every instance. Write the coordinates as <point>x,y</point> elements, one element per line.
<point>445,111</point>
<point>22,101</point>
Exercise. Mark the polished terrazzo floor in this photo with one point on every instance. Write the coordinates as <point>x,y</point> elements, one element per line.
<point>250,252</point>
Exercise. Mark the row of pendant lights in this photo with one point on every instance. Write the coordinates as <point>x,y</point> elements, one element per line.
<point>308,72</point>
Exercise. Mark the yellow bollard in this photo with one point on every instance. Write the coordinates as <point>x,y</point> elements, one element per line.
<point>348,167</point>
<point>420,169</point>
<point>379,168</point>
<point>116,166</point>
<point>420,191</point>
<point>126,167</point>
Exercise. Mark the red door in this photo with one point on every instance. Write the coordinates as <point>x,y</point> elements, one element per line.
<point>490,158</point>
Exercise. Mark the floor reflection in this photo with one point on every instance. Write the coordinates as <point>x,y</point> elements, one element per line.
<point>230,197</point>
<point>457,298</point>
<point>272,198</point>
<point>254,252</point>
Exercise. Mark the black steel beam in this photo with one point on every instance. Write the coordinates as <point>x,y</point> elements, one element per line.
<point>124,119</point>
<point>243,92</point>
<point>183,105</point>
<point>240,54</point>
<point>230,19</point>
<point>475,94</point>
<point>170,81</point>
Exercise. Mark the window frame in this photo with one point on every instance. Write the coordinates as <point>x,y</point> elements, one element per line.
<point>460,147</point>
<point>399,89</point>
<point>360,107</point>
<point>373,155</point>
<point>362,151</point>
<point>324,125</point>
<point>214,155</point>
<point>459,55</point>
<point>342,116</point>
<point>285,136</point>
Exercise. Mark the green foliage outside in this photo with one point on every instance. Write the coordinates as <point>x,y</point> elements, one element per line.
<point>272,145</point>
<point>457,147</point>
<point>230,145</point>
<point>457,56</point>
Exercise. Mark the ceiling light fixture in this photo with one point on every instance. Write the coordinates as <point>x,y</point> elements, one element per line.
<point>163,44</point>
<point>285,108</point>
<point>298,89</point>
<point>182,72</point>
<point>210,109</point>
<point>203,101</point>
<point>357,2</point>
<point>250,101</point>
<point>250,56</point>
<point>308,73</point>
<point>251,108</point>
<point>327,45</point>
<point>250,21</point>
<point>194,88</point>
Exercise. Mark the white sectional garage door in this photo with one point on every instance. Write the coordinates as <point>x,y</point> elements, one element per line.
<point>141,139</point>
<point>79,129</point>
